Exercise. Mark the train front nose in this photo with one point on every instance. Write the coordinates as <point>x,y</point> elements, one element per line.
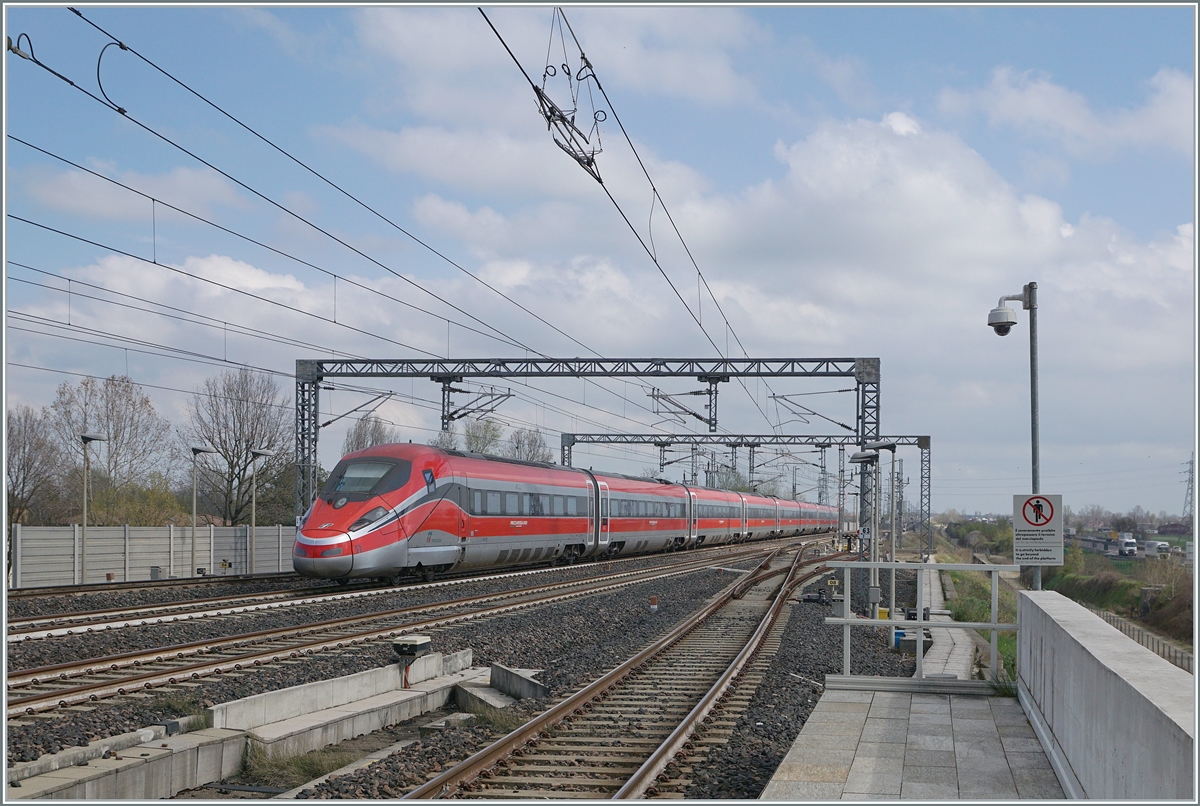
<point>323,557</point>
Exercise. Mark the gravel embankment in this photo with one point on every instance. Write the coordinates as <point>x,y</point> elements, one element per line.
<point>57,604</point>
<point>573,640</point>
<point>37,653</point>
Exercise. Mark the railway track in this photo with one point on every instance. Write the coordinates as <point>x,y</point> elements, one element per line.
<point>72,623</point>
<point>33,690</point>
<point>653,715</point>
<point>102,587</point>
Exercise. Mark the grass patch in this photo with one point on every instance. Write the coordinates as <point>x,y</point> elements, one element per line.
<point>177,704</point>
<point>974,603</point>
<point>497,719</point>
<point>288,772</point>
<point>1002,687</point>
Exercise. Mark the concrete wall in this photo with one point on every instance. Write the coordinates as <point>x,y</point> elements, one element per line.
<point>273,706</point>
<point>1114,717</point>
<point>52,555</point>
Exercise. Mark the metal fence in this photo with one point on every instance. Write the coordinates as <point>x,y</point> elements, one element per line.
<point>1163,648</point>
<point>919,625</point>
<point>45,556</point>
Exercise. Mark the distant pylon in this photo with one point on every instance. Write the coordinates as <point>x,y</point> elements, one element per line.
<point>1187,496</point>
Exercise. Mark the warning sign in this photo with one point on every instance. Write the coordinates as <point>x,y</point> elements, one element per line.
<point>1037,530</point>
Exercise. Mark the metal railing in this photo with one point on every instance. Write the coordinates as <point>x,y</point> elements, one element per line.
<point>994,625</point>
<point>1159,646</point>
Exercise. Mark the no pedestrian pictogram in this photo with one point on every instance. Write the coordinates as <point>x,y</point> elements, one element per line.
<point>1037,529</point>
<point>1038,511</point>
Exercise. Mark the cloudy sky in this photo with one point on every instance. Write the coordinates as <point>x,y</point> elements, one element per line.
<point>849,181</point>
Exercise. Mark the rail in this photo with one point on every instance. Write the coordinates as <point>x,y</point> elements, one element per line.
<point>994,625</point>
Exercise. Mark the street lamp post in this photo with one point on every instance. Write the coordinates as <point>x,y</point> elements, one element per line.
<point>87,471</point>
<point>1002,319</point>
<point>889,446</point>
<point>872,458</point>
<point>196,451</point>
<point>255,454</point>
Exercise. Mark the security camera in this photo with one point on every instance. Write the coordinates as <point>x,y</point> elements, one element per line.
<point>1002,320</point>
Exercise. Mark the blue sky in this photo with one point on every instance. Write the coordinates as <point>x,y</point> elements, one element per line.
<point>852,181</point>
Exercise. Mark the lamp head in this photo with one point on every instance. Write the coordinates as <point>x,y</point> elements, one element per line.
<point>86,438</point>
<point>861,457</point>
<point>881,445</point>
<point>199,449</point>
<point>258,453</point>
<point>1002,319</point>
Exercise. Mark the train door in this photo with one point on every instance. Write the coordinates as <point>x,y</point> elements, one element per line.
<point>744,526</point>
<point>693,515</point>
<point>605,521</point>
<point>464,522</point>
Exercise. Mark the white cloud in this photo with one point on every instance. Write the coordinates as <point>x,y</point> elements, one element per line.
<point>197,190</point>
<point>1041,108</point>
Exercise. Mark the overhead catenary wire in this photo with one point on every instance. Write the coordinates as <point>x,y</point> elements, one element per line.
<point>275,204</point>
<point>157,201</point>
<point>671,219</point>
<point>282,208</point>
<point>504,339</point>
<point>243,292</point>
<point>330,182</point>
<point>641,241</point>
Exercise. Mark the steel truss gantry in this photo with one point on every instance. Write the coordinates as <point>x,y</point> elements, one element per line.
<point>754,441</point>
<point>311,372</point>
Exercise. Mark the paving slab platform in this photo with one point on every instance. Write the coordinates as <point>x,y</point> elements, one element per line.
<point>875,745</point>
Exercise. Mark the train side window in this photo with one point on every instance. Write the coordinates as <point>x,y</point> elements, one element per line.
<point>476,502</point>
<point>558,505</point>
<point>493,503</point>
<point>572,505</point>
<point>545,502</point>
<point>641,505</point>
<point>529,504</point>
<point>604,508</point>
<point>512,504</point>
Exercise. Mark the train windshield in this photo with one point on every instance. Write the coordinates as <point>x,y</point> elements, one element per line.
<point>359,479</point>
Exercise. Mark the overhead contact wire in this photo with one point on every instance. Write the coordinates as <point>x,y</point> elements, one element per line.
<point>337,187</point>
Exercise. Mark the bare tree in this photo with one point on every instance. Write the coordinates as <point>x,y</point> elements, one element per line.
<point>33,460</point>
<point>446,440</point>
<point>482,436</point>
<point>235,413</point>
<point>528,444</point>
<point>367,433</point>
<point>136,443</point>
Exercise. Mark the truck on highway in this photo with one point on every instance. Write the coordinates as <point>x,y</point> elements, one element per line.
<point>1126,545</point>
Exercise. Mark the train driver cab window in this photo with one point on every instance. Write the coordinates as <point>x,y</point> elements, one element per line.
<point>493,503</point>
<point>558,505</point>
<point>572,505</point>
<point>476,502</point>
<point>359,479</point>
<point>511,504</point>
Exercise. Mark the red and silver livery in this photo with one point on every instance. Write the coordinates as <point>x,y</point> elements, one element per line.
<point>395,510</point>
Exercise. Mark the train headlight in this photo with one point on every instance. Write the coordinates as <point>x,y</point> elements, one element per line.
<point>336,551</point>
<point>366,520</point>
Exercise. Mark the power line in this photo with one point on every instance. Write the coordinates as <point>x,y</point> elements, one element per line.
<point>258,243</point>
<point>125,114</point>
<point>213,322</point>
<point>332,184</point>
<point>220,285</point>
<point>109,105</point>
<point>649,252</point>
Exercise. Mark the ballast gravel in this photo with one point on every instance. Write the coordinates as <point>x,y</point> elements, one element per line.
<point>766,730</point>
<point>33,654</point>
<point>571,639</point>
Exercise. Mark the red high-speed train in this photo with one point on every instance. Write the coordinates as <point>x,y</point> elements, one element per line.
<point>403,509</point>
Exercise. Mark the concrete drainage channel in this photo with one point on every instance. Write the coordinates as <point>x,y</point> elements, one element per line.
<point>163,760</point>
